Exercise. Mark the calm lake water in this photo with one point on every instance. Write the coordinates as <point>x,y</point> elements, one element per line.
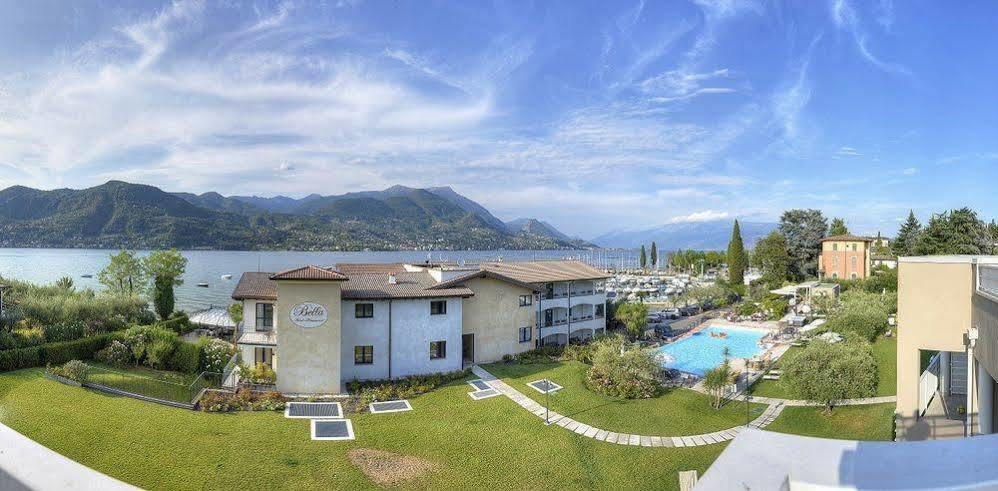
<point>45,266</point>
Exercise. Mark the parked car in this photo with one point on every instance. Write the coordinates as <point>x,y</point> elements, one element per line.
<point>671,313</point>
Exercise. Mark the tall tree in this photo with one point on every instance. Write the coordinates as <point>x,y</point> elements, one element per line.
<point>166,269</point>
<point>803,230</point>
<point>954,232</point>
<point>124,275</point>
<point>907,238</point>
<point>643,258</point>
<point>654,255</point>
<point>772,258</point>
<point>838,227</point>
<point>736,257</point>
<point>634,316</point>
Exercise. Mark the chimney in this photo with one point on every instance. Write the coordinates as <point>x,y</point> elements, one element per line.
<point>391,279</point>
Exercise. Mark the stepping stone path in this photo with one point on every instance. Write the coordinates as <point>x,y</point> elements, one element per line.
<point>767,417</point>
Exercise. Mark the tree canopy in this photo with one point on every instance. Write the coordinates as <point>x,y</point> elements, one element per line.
<point>634,315</point>
<point>803,230</point>
<point>824,373</point>
<point>838,227</point>
<point>954,232</point>
<point>124,275</point>
<point>736,257</point>
<point>168,264</point>
<point>772,258</point>
<point>907,237</point>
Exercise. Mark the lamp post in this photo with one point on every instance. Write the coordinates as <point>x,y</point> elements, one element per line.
<point>547,402</point>
<point>748,396</point>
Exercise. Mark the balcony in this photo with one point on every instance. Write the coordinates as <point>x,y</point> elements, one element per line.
<point>583,318</point>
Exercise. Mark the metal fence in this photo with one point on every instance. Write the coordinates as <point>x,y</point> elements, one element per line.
<point>152,388</point>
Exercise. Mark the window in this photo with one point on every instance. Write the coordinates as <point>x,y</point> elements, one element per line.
<point>363,310</point>
<point>854,262</point>
<point>263,355</point>
<point>835,247</point>
<point>438,349</point>
<point>363,355</point>
<point>599,311</point>
<point>525,333</point>
<point>264,316</point>
<point>438,307</point>
<point>854,248</point>
<point>526,300</point>
<point>854,276</point>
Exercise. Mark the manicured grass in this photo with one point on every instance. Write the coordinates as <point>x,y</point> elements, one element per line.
<point>884,352</point>
<point>489,443</point>
<point>678,412</point>
<point>867,422</point>
<point>171,386</point>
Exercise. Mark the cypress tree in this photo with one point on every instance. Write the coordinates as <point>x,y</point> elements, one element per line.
<point>654,255</point>
<point>643,258</point>
<point>736,257</point>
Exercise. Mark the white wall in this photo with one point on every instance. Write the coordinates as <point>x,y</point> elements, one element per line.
<point>365,332</point>
<point>413,328</point>
<point>249,314</point>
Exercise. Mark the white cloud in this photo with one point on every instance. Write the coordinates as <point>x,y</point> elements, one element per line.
<point>846,18</point>
<point>848,152</point>
<point>700,216</point>
<point>910,171</point>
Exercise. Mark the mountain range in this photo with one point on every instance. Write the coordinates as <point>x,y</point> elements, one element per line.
<point>120,214</point>
<point>707,235</point>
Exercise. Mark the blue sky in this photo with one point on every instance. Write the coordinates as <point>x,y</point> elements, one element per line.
<point>592,115</point>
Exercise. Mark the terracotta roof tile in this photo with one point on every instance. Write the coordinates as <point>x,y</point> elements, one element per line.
<point>847,237</point>
<point>255,286</point>
<point>309,273</point>
<point>407,285</point>
<point>545,271</point>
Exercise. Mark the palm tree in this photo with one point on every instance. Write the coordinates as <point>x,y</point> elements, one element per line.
<point>717,379</point>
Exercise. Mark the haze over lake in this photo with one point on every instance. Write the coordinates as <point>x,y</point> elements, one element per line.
<point>45,266</point>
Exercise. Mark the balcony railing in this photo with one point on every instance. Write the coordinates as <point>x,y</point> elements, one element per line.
<point>581,293</point>
<point>556,322</point>
<point>554,295</point>
<point>582,318</point>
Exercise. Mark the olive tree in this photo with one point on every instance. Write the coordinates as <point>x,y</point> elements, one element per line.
<point>824,373</point>
<point>634,316</point>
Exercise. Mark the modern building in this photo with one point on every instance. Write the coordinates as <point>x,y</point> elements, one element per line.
<point>394,320</point>
<point>845,257</point>
<point>947,353</point>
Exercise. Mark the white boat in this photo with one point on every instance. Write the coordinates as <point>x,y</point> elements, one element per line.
<point>226,276</point>
<point>203,284</point>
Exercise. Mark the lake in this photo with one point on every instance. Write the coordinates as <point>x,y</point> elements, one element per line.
<point>45,266</point>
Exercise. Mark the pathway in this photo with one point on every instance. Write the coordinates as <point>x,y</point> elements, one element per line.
<point>767,417</point>
<point>844,402</point>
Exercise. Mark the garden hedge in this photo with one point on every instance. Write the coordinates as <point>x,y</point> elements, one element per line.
<point>54,353</point>
<point>179,324</point>
<point>185,358</point>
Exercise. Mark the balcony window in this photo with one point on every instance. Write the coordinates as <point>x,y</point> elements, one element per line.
<point>599,311</point>
<point>264,316</point>
<point>526,300</point>
<point>438,307</point>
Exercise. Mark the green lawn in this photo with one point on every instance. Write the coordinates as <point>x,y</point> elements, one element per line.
<point>884,352</point>
<point>678,412</point>
<point>868,422</point>
<point>492,442</point>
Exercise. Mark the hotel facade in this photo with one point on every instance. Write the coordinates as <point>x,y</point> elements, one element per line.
<point>322,327</point>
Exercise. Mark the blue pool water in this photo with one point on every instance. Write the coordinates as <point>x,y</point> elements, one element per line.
<point>701,352</point>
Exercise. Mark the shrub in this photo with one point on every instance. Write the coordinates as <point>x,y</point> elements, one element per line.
<point>619,371</point>
<point>863,313</point>
<point>115,354</point>
<point>242,400</point>
<point>824,373</point>
<point>80,349</point>
<point>186,358</point>
<point>16,359</point>
<point>717,379</point>
<point>261,373</point>
<point>63,331</point>
<point>747,308</point>
<point>27,338</point>
<point>366,392</point>
<point>544,354</point>
<point>578,352</point>
<point>74,370</point>
<point>215,354</point>
<point>150,341</point>
<point>179,324</point>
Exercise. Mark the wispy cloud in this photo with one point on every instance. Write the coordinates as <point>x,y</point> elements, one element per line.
<point>847,19</point>
<point>700,216</point>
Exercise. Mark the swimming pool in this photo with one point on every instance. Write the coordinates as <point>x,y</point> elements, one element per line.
<point>701,352</point>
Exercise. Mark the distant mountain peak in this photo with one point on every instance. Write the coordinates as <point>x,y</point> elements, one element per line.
<point>708,235</point>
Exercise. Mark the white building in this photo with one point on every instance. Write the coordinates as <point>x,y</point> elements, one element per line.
<point>394,320</point>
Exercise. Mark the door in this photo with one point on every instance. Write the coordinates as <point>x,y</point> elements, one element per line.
<point>468,348</point>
